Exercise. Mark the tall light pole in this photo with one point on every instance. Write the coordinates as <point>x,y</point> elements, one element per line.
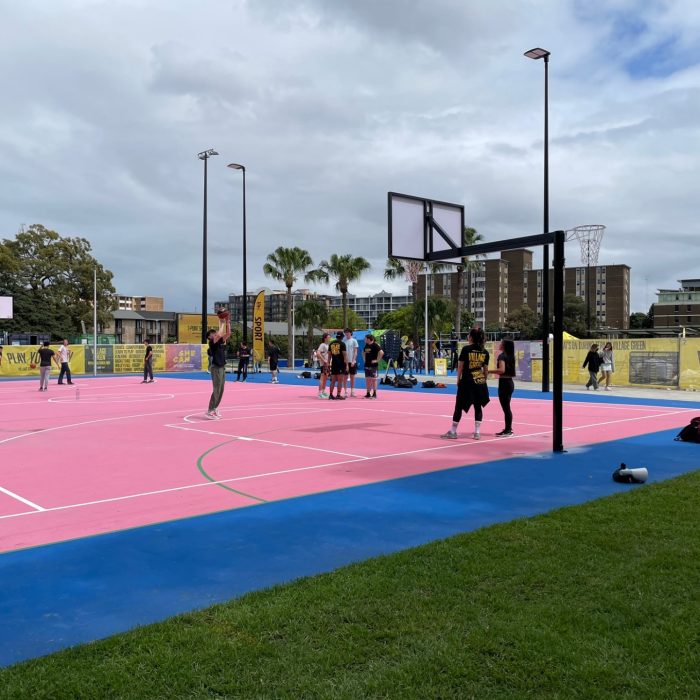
<point>205,156</point>
<point>537,54</point>
<point>244,317</point>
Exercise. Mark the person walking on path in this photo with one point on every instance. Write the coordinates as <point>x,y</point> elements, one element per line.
<point>351,347</point>
<point>593,361</point>
<point>273,356</point>
<point>243,359</point>
<point>505,369</point>
<point>46,356</point>
<point>472,390</point>
<point>64,356</point>
<point>607,364</point>
<point>322,357</point>
<point>372,357</point>
<point>217,352</point>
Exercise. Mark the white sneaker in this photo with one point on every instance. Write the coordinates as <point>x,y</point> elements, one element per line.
<point>449,435</point>
<point>352,393</point>
<point>607,388</point>
<point>212,415</point>
<point>476,436</point>
<point>217,413</point>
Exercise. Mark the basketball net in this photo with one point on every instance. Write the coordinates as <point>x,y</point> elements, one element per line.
<point>590,237</point>
<point>412,270</point>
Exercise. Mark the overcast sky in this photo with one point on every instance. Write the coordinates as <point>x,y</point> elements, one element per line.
<point>330,104</point>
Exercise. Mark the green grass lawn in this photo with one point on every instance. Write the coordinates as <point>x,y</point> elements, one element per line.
<point>599,600</point>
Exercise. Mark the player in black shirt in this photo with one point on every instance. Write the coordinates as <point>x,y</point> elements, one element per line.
<point>217,353</point>
<point>472,390</point>
<point>372,355</point>
<point>273,356</point>
<point>339,364</point>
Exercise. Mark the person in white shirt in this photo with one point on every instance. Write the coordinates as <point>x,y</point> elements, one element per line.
<point>351,347</point>
<point>64,355</point>
<point>322,356</point>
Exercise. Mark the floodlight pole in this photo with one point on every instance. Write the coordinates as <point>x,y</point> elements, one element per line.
<point>544,54</point>
<point>205,155</point>
<point>244,310</point>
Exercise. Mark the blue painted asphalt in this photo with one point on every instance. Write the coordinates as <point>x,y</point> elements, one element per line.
<point>69,593</point>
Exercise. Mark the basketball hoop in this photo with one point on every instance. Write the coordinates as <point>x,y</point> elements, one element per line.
<point>590,237</point>
<point>412,269</point>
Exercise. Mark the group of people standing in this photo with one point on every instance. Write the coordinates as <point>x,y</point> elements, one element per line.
<point>62,360</point>
<point>337,360</point>
<point>472,389</point>
<point>602,361</point>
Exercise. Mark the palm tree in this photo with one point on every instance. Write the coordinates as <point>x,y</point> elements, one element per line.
<point>311,313</point>
<point>284,265</point>
<point>344,269</point>
<point>470,237</point>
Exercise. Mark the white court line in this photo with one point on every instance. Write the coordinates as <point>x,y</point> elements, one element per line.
<point>267,442</point>
<point>27,502</point>
<point>453,445</point>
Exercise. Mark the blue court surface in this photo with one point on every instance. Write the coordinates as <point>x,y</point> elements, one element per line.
<point>73,592</point>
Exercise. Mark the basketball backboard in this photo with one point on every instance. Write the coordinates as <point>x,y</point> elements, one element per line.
<point>419,226</point>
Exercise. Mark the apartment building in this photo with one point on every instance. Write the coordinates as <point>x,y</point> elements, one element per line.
<point>494,288</point>
<point>678,308</point>
<point>129,303</point>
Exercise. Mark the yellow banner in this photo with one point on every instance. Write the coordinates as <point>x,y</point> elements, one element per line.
<point>189,327</point>
<point>259,328</point>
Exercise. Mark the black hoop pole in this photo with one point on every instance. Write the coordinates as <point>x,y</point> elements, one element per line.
<point>558,355</point>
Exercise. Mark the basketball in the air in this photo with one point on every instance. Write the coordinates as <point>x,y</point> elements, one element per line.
<point>32,366</point>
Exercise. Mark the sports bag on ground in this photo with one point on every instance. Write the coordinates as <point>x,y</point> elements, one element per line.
<point>403,383</point>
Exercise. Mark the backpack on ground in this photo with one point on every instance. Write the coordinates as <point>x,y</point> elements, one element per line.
<point>691,432</point>
<point>429,384</point>
<point>403,383</point>
<point>306,375</point>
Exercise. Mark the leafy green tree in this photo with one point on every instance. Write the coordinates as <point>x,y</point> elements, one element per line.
<point>402,320</point>
<point>349,319</point>
<point>575,315</point>
<point>470,237</point>
<point>51,280</point>
<point>311,313</point>
<point>525,321</point>
<point>467,319</point>
<point>344,269</point>
<point>285,265</point>
<point>641,320</point>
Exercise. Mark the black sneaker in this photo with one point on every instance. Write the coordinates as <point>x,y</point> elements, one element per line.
<point>368,395</point>
<point>331,397</point>
<point>340,398</point>
<point>504,433</point>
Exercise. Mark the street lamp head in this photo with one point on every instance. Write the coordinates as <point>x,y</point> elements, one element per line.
<point>538,53</point>
<point>236,166</point>
<point>207,154</point>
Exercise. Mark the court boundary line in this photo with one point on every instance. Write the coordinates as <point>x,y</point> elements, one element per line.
<point>453,445</point>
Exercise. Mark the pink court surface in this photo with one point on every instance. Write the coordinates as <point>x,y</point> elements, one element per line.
<point>123,454</point>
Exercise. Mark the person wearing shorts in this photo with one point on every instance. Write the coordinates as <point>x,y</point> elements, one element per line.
<point>372,355</point>
<point>472,390</point>
<point>323,360</point>
<point>339,365</point>
<point>273,356</point>
<point>351,347</point>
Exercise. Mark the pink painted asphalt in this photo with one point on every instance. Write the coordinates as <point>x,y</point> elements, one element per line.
<point>126,454</point>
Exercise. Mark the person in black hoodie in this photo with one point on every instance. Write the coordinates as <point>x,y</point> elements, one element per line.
<point>593,363</point>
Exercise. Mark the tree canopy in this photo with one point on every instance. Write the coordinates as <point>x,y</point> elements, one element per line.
<point>51,281</point>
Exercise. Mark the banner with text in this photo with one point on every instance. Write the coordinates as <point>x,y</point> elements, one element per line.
<point>259,328</point>
<point>189,327</point>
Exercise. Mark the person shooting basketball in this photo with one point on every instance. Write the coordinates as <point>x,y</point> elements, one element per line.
<point>217,351</point>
